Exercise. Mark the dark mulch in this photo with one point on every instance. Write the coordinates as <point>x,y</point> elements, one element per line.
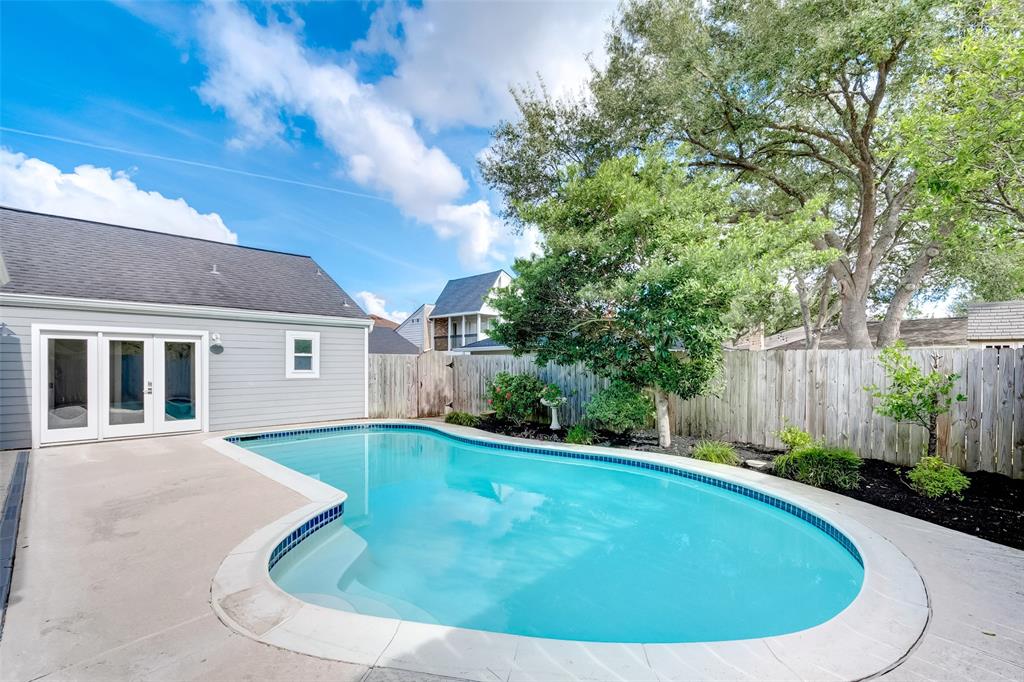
<point>992,508</point>
<point>638,440</point>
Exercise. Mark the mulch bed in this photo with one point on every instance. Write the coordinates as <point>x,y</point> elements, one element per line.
<point>992,508</point>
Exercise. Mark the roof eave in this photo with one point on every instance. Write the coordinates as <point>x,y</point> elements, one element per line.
<point>179,310</point>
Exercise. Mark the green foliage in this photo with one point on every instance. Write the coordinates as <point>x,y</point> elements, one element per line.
<point>934,478</point>
<point>620,408</point>
<point>788,103</point>
<point>715,451</point>
<point>462,419</point>
<point>552,394</point>
<point>794,438</point>
<point>514,397</point>
<point>579,434</point>
<point>638,269</point>
<point>821,466</point>
<point>964,134</point>
<point>913,395</point>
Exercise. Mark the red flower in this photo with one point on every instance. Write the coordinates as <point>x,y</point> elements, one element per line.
<point>508,395</point>
<point>490,402</point>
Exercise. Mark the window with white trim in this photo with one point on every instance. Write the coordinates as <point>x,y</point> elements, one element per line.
<point>302,355</point>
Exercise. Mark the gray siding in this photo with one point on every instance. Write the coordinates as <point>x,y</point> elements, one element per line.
<point>247,386</point>
<point>413,332</point>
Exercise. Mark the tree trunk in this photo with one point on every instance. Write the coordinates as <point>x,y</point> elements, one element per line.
<point>933,435</point>
<point>890,329</point>
<point>661,417</point>
<point>854,319</point>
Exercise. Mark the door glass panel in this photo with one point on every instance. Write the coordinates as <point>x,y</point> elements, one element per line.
<point>67,383</point>
<point>179,380</point>
<point>127,382</point>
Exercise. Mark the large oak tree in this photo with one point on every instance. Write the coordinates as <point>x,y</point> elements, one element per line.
<point>799,102</point>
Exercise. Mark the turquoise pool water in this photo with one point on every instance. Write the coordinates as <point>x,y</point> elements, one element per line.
<point>460,534</point>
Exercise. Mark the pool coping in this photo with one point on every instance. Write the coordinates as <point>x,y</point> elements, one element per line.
<point>869,637</point>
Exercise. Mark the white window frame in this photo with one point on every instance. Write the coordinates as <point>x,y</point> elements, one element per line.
<point>290,337</point>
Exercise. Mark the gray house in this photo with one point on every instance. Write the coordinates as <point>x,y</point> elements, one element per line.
<point>112,332</point>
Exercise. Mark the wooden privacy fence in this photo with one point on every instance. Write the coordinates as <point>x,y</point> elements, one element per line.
<point>409,386</point>
<point>757,394</point>
<point>823,393</point>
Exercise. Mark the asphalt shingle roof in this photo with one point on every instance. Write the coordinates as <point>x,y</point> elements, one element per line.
<point>482,343</point>
<point>996,320</point>
<point>386,341</point>
<point>55,256</point>
<point>937,332</point>
<point>464,295</point>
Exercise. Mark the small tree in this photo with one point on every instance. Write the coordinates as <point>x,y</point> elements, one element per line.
<point>640,266</point>
<point>914,396</point>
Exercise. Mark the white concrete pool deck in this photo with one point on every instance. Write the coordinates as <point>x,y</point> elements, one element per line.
<point>120,540</point>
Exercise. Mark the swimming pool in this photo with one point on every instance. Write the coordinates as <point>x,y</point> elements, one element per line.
<point>440,529</point>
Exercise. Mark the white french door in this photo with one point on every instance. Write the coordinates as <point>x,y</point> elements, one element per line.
<point>176,384</point>
<point>69,395</point>
<point>127,402</point>
<point>113,385</point>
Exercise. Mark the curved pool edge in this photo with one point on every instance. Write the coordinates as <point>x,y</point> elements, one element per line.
<point>870,636</point>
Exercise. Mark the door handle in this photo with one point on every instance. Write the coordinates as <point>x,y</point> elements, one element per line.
<point>149,388</point>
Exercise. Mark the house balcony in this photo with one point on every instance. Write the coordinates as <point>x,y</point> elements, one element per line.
<point>457,341</point>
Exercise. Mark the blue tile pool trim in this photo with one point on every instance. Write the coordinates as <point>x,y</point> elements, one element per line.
<point>765,498</point>
<point>311,526</point>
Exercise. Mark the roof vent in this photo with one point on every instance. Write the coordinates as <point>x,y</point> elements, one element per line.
<point>214,270</point>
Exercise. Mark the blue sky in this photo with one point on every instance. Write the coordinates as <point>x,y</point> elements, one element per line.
<point>370,117</point>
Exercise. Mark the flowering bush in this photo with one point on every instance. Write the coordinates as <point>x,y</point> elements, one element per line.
<point>514,397</point>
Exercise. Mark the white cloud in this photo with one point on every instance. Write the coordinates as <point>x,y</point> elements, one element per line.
<point>455,61</point>
<point>103,195</point>
<point>262,74</point>
<point>375,305</point>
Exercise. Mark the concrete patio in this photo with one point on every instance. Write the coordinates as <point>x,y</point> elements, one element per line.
<point>119,542</point>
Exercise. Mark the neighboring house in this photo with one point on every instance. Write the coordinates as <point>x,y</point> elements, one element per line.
<point>379,321</point>
<point>486,347</point>
<point>110,332</point>
<point>387,341</point>
<point>999,324</point>
<point>416,328</point>
<point>462,314</point>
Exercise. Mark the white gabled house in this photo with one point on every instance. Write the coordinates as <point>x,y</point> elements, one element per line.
<point>462,314</point>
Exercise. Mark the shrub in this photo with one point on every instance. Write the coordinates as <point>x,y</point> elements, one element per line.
<point>794,438</point>
<point>514,397</point>
<point>553,394</point>
<point>914,396</point>
<point>620,408</point>
<point>715,451</point>
<point>462,419</point>
<point>580,435</point>
<point>821,466</point>
<point>934,478</point>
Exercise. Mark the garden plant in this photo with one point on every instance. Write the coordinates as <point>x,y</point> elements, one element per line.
<point>715,451</point>
<point>462,419</point>
<point>514,398</point>
<point>620,408</point>
<point>934,478</point>
<point>914,396</point>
